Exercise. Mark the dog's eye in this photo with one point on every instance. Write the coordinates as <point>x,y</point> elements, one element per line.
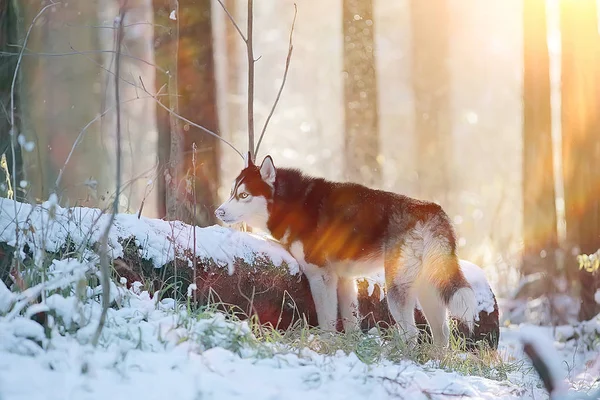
<point>243,195</point>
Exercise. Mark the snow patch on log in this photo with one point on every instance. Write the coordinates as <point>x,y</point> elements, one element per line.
<point>474,275</point>
<point>49,227</point>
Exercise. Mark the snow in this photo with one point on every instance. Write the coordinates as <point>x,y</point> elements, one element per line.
<point>474,275</point>
<point>173,15</point>
<point>50,226</point>
<point>597,296</point>
<point>155,348</point>
<point>483,292</point>
<point>544,348</point>
<point>146,352</point>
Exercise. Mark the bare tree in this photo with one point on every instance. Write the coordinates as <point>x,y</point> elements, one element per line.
<point>431,88</point>
<point>540,239</point>
<point>580,97</point>
<point>360,93</point>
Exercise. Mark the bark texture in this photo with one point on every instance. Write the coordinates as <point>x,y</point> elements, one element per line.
<point>360,93</point>
<point>188,54</point>
<point>580,99</point>
<point>540,239</point>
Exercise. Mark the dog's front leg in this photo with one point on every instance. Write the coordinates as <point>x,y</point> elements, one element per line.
<point>348,299</point>
<point>323,286</point>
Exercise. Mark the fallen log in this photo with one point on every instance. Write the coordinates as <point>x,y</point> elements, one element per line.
<point>280,298</point>
<point>253,274</point>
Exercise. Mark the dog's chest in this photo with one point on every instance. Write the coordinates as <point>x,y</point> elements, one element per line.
<point>348,268</point>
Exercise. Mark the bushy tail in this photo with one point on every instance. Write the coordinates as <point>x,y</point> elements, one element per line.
<point>443,272</point>
<point>442,269</point>
<point>463,305</point>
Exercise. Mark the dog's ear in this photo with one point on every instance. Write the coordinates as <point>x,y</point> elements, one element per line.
<point>267,170</point>
<point>248,160</point>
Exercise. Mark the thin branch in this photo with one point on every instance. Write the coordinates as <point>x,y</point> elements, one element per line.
<point>81,133</point>
<point>233,21</point>
<point>194,155</point>
<point>287,67</point>
<point>112,27</point>
<point>251,62</point>
<point>155,97</point>
<point>173,113</point>
<point>76,53</point>
<point>104,249</point>
<point>12,132</point>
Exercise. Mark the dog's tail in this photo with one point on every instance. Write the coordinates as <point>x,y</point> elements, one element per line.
<point>443,275</point>
<point>441,269</point>
<point>460,299</point>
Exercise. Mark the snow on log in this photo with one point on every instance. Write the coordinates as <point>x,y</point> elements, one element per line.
<point>252,273</point>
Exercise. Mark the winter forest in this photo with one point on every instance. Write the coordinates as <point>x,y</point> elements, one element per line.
<point>124,124</point>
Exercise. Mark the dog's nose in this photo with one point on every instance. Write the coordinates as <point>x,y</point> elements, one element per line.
<point>219,212</point>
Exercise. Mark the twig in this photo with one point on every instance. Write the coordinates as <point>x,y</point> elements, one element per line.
<point>287,67</point>
<point>250,51</point>
<point>12,132</point>
<point>174,114</point>
<point>77,53</point>
<point>233,21</point>
<point>104,243</point>
<point>194,153</point>
<point>82,132</point>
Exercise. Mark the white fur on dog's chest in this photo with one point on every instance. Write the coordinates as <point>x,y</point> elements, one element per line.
<point>350,268</point>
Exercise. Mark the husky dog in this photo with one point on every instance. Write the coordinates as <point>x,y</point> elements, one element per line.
<point>340,231</point>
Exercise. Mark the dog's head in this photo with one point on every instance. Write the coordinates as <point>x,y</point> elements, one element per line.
<point>250,194</point>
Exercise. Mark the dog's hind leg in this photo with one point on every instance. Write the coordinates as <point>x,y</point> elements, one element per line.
<point>401,271</point>
<point>348,299</point>
<point>434,309</point>
<point>323,286</point>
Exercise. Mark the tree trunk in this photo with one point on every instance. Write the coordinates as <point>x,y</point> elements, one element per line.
<point>9,35</point>
<point>196,100</point>
<point>164,53</point>
<point>62,95</point>
<point>581,138</point>
<point>540,238</point>
<point>431,89</point>
<point>360,93</point>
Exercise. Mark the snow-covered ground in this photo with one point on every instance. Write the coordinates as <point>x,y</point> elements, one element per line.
<point>157,349</point>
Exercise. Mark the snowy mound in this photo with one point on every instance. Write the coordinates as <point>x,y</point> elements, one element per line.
<point>158,240</point>
<point>474,275</point>
<point>480,284</point>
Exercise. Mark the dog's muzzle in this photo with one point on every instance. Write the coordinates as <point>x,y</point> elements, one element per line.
<point>220,213</point>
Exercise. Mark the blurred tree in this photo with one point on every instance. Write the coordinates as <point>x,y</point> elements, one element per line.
<point>61,96</point>
<point>431,88</point>
<point>580,96</point>
<point>360,93</point>
<point>540,238</point>
<point>196,100</point>
<point>10,29</point>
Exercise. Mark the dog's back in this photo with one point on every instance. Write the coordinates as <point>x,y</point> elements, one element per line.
<point>343,221</point>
